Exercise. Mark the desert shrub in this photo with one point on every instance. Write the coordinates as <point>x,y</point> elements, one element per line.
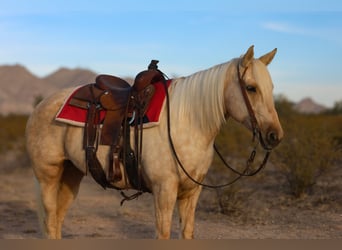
<point>234,140</point>
<point>308,150</point>
<point>311,148</point>
<point>235,144</point>
<point>284,107</point>
<point>230,200</point>
<point>337,109</point>
<point>12,132</point>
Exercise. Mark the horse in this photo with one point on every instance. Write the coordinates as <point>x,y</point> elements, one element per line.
<point>199,105</point>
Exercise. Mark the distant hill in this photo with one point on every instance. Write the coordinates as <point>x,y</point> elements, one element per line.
<point>309,106</point>
<point>64,77</point>
<point>19,87</point>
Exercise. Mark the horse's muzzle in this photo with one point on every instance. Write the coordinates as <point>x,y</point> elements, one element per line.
<point>272,138</point>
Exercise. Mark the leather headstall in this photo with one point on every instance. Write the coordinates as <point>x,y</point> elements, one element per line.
<point>243,85</point>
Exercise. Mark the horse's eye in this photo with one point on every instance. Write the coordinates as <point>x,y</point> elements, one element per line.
<point>251,88</point>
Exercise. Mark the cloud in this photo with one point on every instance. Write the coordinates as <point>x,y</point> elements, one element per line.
<point>284,27</point>
<point>323,32</point>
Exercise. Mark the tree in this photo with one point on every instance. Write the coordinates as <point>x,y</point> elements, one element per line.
<point>37,100</point>
<point>337,109</point>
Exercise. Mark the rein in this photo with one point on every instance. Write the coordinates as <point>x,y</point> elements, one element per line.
<point>256,133</point>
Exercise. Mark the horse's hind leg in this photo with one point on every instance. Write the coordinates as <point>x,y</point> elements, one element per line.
<point>59,185</point>
<point>49,177</point>
<point>68,190</point>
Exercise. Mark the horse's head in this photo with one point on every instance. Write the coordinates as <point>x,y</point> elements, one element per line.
<point>249,97</point>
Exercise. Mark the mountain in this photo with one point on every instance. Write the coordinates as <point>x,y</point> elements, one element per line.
<point>309,106</point>
<point>65,77</point>
<point>19,88</point>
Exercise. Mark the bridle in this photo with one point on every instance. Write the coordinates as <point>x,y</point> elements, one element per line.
<point>253,120</point>
<point>255,129</point>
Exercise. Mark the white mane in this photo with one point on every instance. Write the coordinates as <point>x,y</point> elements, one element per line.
<point>199,98</point>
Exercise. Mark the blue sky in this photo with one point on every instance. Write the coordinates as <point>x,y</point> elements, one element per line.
<point>121,37</point>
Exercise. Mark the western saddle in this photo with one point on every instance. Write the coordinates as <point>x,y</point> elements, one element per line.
<point>125,106</point>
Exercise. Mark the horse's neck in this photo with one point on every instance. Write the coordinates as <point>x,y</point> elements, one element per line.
<point>198,100</point>
<point>190,133</point>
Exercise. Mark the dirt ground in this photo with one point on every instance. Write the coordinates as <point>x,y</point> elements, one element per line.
<point>262,211</point>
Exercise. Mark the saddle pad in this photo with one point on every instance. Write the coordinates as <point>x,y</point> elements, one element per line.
<point>74,115</point>
<point>77,116</point>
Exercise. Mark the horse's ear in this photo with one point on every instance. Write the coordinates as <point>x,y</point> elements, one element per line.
<point>267,58</point>
<point>248,57</point>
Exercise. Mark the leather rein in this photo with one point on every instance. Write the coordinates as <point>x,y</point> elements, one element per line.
<point>256,133</point>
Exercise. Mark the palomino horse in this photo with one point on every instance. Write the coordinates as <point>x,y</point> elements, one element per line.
<point>199,105</point>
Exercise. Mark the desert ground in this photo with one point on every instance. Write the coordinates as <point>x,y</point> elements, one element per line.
<point>262,209</point>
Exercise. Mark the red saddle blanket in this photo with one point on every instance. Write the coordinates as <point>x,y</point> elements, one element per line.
<point>77,116</point>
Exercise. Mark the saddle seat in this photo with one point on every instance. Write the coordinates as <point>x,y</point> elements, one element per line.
<point>117,91</point>
<point>112,83</point>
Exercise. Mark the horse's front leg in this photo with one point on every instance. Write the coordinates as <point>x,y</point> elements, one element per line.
<point>186,207</point>
<point>165,196</point>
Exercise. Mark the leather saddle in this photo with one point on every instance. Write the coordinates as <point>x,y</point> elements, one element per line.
<point>122,102</point>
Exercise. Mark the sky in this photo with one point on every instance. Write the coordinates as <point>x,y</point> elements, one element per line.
<point>120,37</point>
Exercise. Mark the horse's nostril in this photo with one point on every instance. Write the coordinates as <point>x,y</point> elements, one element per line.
<point>272,138</point>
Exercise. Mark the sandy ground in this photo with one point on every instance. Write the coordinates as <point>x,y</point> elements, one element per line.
<point>265,213</point>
